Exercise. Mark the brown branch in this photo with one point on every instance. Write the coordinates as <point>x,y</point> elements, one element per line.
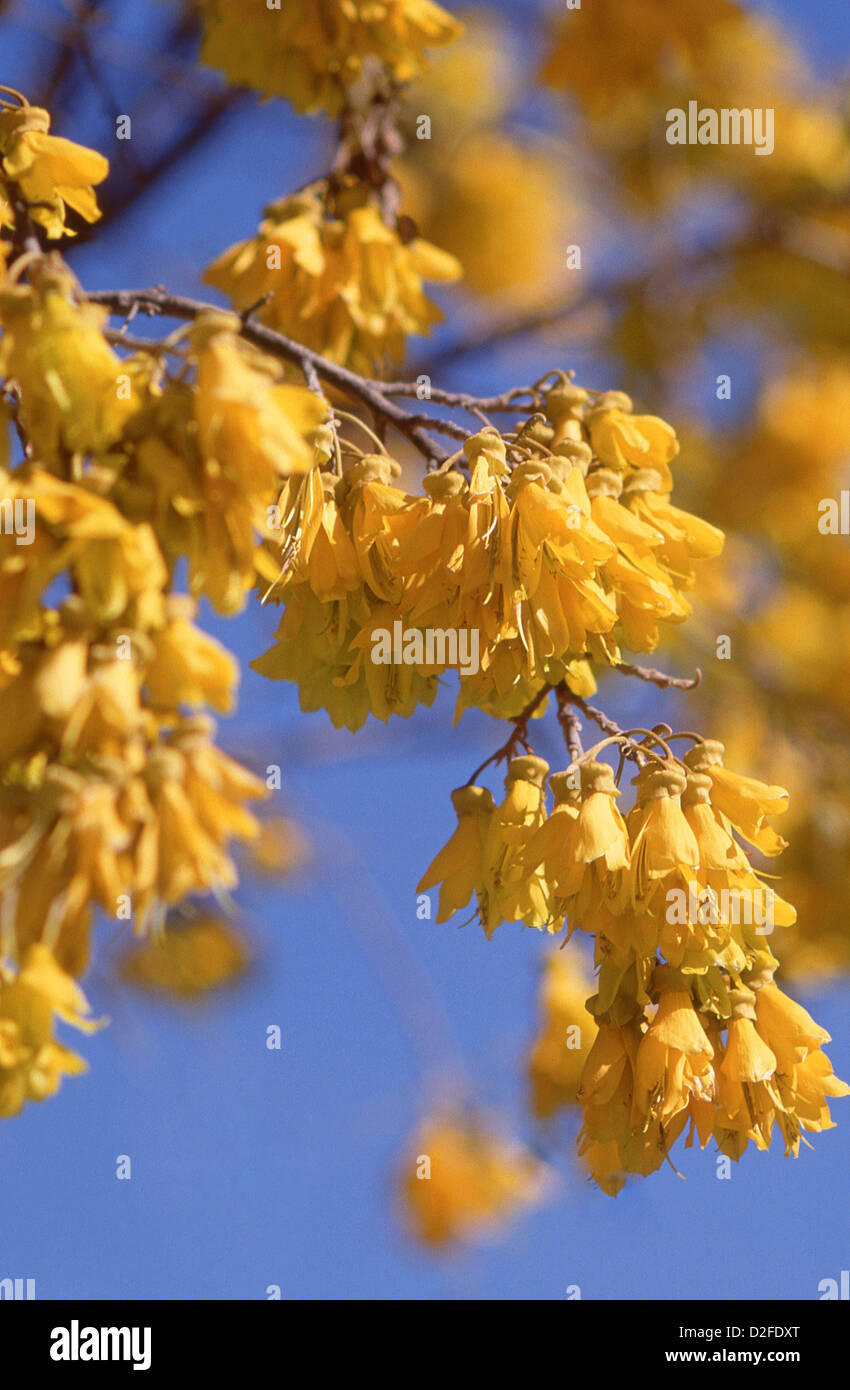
<point>158,301</point>
<point>569,722</point>
<point>505,404</point>
<point>518,737</point>
<point>664,682</point>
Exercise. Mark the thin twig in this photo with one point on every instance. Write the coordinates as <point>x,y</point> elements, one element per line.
<point>159,301</point>
<point>664,682</point>
<point>569,722</point>
<point>518,737</point>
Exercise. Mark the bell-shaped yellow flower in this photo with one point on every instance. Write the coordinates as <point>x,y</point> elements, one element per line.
<point>550,847</point>
<point>76,393</point>
<point>804,1076</point>
<point>600,841</point>
<point>745,802</point>
<point>674,1058</point>
<point>661,839</point>
<point>50,173</point>
<point>510,892</point>
<point>747,1094</point>
<point>254,425</point>
<point>623,440</point>
<point>459,866</point>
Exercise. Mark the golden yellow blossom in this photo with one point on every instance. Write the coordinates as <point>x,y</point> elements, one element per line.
<point>556,1061</point>
<point>48,173</point>
<point>459,867</point>
<point>337,278</point>
<point>312,54</point>
<point>32,1062</point>
<point>76,393</point>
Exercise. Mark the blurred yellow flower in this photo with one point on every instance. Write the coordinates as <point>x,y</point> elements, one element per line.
<point>311,53</point>
<point>188,958</point>
<point>32,1062</point>
<point>463,1180</point>
<point>567,1031</point>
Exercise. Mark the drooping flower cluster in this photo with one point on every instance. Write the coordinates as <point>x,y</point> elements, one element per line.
<point>691,1027</point>
<point>312,52</point>
<point>32,1062</point>
<point>113,794</point>
<point>560,543</point>
<point>336,276</point>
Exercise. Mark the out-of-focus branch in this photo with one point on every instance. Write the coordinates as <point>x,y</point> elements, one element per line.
<point>664,682</point>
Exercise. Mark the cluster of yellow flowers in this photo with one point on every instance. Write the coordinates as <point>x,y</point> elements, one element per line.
<point>32,1062</point>
<point>335,276</point>
<point>679,920</point>
<point>560,543</point>
<point>311,53</point>
<point>622,76</point>
<point>113,793</point>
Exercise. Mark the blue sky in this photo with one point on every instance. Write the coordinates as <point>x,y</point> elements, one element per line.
<point>252,1168</point>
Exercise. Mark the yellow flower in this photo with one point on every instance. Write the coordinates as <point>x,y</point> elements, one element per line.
<point>747,1094</point>
<point>312,54</point>
<point>510,893</point>
<point>315,545</point>
<point>430,557</point>
<point>50,173</point>
<point>378,518</point>
<point>623,440</point>
<point>189,802</point>
<point>550,846</point>
<point>188,666</point>
<point>600,842</point>
<point>250,423</point>
<point>744,801</point>
<point>76,393</point>
<point>339,279</point>
<point>556,1060</point>
<point>804,1076</point>
<point>605,1093</point>
<point>674,1058</point>
<point>188,959</point>
<point>462,1179</point>
<point>459,866</point>
<point>32,1063</point>
<point>661,838</point>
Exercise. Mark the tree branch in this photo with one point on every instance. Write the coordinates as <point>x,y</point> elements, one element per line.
<point>158,301</point>
<point>664,682</point>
